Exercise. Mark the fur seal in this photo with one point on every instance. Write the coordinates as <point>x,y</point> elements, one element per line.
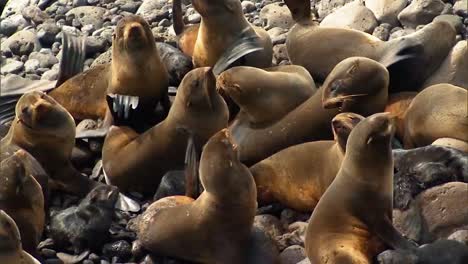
<point>86,226</point>
<point>344,90</point>
<point>11,250</point>
<point>222,25</point>
<point>136,70</point>
<point>138,162</point>
<point>266,95</point>
<point>299,175</point>
<point>356,77</point>
<point>22,198</point>
<point>410,59</point>
<point>436,112</point>
<point>228,206</point>
<point>353,220</point>
<point>46,130</point>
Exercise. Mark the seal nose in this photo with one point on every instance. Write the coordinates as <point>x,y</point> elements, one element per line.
<point>134,31</point>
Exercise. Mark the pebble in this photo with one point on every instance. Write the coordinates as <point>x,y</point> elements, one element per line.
<point>130,7</point>
<point>34,14</point>
<point>89,15</point>
<point>95,45</point>
<point>14,7</point>
<point>31,66</point>
<point>21,43</point>
<point>11,24</point>
<point>194,18</point>
<point>280,53</point>
<point>269,224</point>
<point>93,2</point>
<point>248,6</point>
<point>121,249</point>
<point>47,33</point>
<point>353,16</point>
<point>420,12</point>
<point>292,255</point>
<point>382,31</point>
<point>79,3</point>
<point>11,66</point>
<point>45,57</point>
<point>460,8</point>
<point>154,10</point>
<point>50,75</point>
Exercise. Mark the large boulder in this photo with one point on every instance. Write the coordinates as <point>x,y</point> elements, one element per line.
<point>386,11</point>
<point>354,16</point>
<point>420,12</point>
<point>277,15</point>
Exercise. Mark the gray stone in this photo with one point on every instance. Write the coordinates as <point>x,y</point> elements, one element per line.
<point>164,23</point>
<point>154,10</point>
<point>382,31</point>
<point>93,2</point>
<point>50,75</point>
<point>11,24</point>
<point>47,33</point>
<point>400,33</point>
<point>25,40</point>
<point>270,224</point>
<point>386,11</point>
<point>14,7</point>
<point>353,16</point>
<point>280,53</point>
<point>104,58</point>
<point>131,7</point>
<point>420,12</point>
<point>460,8</point>
<point>11,66</point>
<point>45,57</point>
<point>194,18</point>
<point>35,14</point>
<point>95,45</point>
<point>31,66</point>
<point>89,15</point>
<point>277,15</point>
<point>435,213</point>
<point>77,3</point>
<point>292,255</point>
<point>326,7</point>
<point>248,6</point>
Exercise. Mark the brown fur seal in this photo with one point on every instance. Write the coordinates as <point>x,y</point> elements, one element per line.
<point>299,175</point>
<point>227,206</point>
<point>266,95</point>
<point>357,77</point>
<point>357,85</point>
<point>46,130</point>
<point>136,70</point>
<point>439,111</point>
<point>22,198</point>
<point>11,250</point>
<point>410,59</point>
<point>353,220</point>
<point>138,162</point>
<point>397,105</point>
<point>222,24</point>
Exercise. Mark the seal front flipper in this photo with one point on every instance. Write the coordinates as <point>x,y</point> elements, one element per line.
<point>192,162</point>
<point>384,229</point>
<point>73,57</point>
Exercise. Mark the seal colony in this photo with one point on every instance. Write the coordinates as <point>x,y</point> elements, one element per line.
<point>346,130</point>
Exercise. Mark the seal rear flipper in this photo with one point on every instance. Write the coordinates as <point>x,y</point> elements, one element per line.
<point>401,58</point>
<point>242,47</point>
<point>73,57</point>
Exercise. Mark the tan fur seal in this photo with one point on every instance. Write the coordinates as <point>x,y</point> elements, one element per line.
<point>266,95</point>
<point>397,105</point>
<point>299,175</point>
<point>216,227</point>
<point>222,24</point>
<point>439,111</point>
<point>11,250</point>
<point>358,85</point>
<point>410,59</point>
<point>353,220</point>
<point>136,70</point>
<point>138,162</point>
<point>46,130</point>
<point>357,77</point>
<point>21,197</point>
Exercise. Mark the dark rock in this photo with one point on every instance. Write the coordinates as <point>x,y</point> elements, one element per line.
<point>48,253</point>
<point>47,33</point>
<point>270,224</point>
<point>292,255</point>
<point>177,63</point>
<point>121,249</point>
<point>172,183</point>
<point>95,45</point>
<point>11,24</point>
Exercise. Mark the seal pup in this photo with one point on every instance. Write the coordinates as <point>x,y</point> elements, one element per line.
<point>11,250</point>
<point>299,175</point>
<point>357,77</point>
<point>46,130</point>
<point>266,95</point>
<point>227,205</point>
<point>197,108</point>
<point>136,70</point>
<point>22,198</point>
<point>352,222</point>
<point>86,226</point>
<point>410,59</point>
<point>345,90</point>
<point>439,111</point>
<point>221,28</point>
